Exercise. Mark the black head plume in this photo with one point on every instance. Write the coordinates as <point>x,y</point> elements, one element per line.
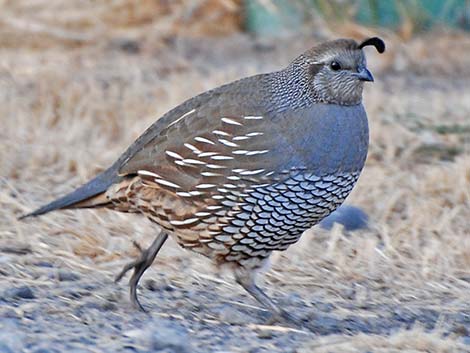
<point>376,42</point>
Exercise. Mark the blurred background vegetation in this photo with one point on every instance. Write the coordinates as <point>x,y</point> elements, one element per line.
<point>77,22</point>
<point>81,79</point>
<point>407,16</point>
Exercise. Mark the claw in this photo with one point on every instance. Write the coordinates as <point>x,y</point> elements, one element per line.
<point>285,318</point>
<point>247,280</point>
<point>126,269</point>
<point>137,246</point>
<point>140,265</point>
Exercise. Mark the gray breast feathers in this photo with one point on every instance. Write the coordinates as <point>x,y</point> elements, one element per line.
<point>323,138</point>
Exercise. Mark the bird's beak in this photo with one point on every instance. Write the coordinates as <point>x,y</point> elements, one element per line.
<point>365,75</point>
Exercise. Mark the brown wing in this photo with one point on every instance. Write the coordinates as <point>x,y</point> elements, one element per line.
<point>190,175</point>
<point>207,145</point>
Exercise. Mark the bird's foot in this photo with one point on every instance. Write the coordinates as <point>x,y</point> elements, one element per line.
<point>140,265</point>
<point>135,264</point>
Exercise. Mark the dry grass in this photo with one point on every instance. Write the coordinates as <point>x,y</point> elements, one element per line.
<point>72,23</point>
<point>411,341</point>
<point>66,112</point>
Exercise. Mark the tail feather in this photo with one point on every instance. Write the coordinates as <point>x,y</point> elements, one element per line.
<point>87,195</point>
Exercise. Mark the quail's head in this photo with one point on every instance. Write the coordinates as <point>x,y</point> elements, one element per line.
<point>337,70</point>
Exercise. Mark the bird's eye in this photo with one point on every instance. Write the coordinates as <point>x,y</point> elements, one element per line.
<point>335,66</point>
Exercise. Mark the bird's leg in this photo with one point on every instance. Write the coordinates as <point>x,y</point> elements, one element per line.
<point>246,279</point>
<point>140,265</point>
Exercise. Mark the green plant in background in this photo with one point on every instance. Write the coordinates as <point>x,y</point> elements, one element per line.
<point>336,10</point>
<point>275,16</point>
<point>423,14</point>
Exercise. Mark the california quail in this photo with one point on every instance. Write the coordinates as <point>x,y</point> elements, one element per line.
<point>244,169</point>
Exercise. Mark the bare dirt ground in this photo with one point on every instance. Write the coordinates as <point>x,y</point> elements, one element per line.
<point>400,286</point>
